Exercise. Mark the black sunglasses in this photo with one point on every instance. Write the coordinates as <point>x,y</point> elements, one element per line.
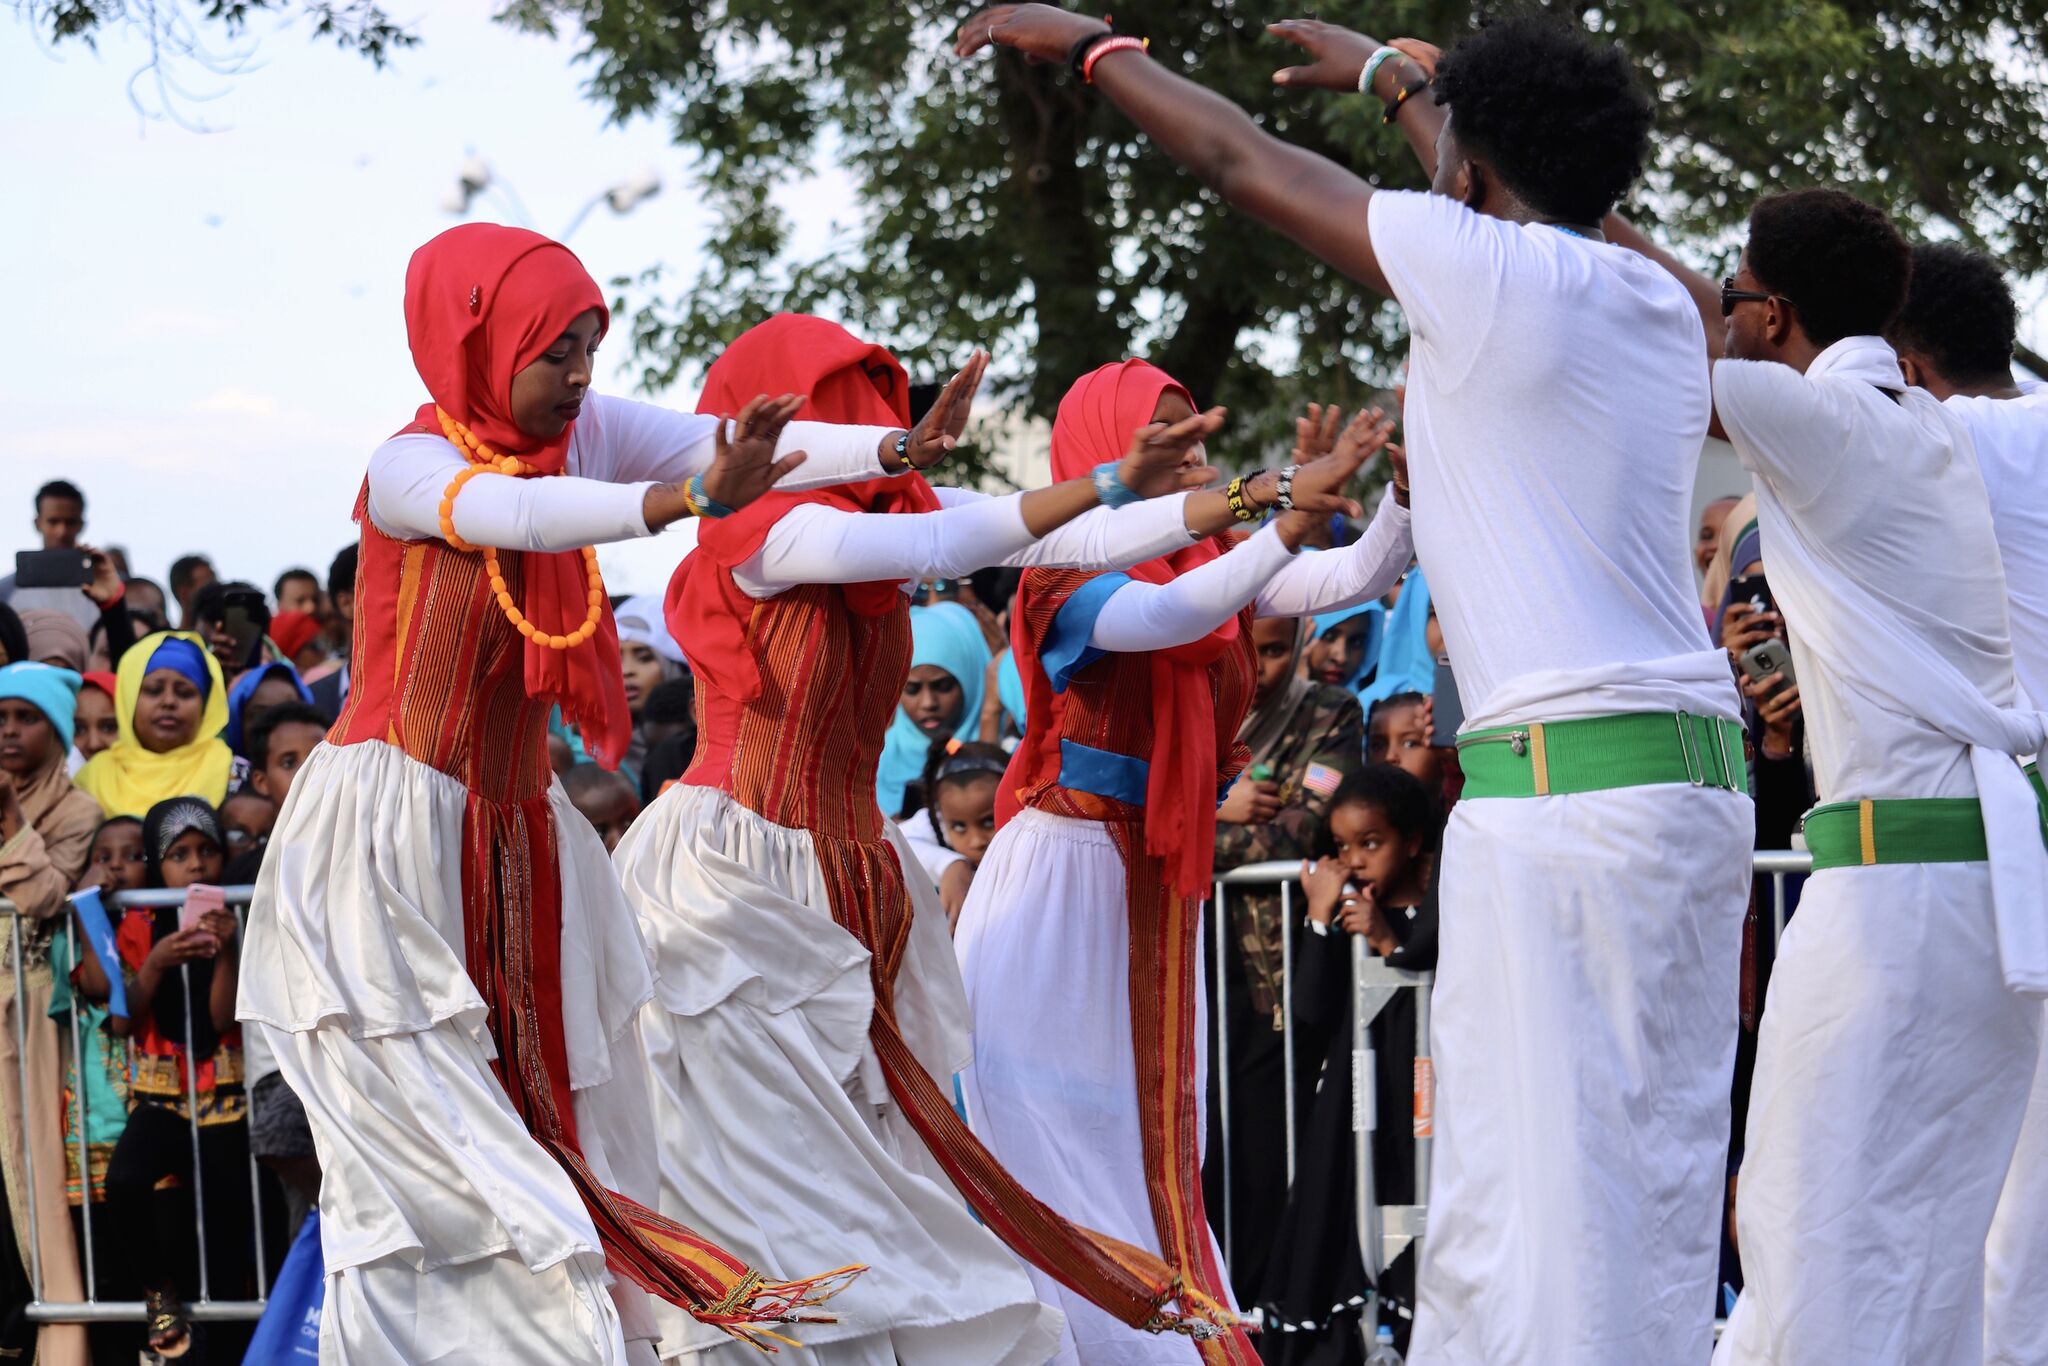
<point>1731,296</point>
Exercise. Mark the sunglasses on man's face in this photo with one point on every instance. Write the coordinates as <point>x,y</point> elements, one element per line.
<point>1731,296</point>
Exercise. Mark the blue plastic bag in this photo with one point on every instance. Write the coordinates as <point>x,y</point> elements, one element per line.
<point>289,1331</point>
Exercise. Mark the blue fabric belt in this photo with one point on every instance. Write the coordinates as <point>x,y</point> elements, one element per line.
<point>1119,777</point>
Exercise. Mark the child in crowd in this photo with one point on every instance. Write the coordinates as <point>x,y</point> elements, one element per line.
<point>951,834</point>
<point>95,1086</point>
<point>185,1044</point>
<point>95,726</point>
<point>942,700</point>
<point>1398,733</point>
<point>1343,645</point>
<point>279,1135</point>
<point>668,729</point>
<point>607,800</point>
<point>648,659</point>
<point>1375,879</point>
<point>246,818</point>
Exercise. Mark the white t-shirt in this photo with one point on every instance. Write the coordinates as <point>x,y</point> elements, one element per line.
<point>2012,454</point>
<point>1884,494</point>
<point>1557,405</point>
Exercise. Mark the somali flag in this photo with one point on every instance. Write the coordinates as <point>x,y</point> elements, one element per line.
<point>99,932</point>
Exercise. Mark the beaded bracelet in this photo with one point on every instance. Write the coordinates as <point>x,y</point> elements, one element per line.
<point>1240,506</point>
<point>1120,43</point>
<point>1380,57</point>
<point>1402,96</point>
<point>901,454</point>
<point>1110,489</point>
<point>699,503</point>
<point>1284,500</point>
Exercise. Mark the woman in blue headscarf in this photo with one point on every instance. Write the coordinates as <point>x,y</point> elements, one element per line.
<point>941,698</point>
<point>1343,645</point>
<point>1406,663</point>
<point>256,692</point>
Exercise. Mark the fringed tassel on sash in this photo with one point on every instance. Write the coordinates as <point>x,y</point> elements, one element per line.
<point>512,906</point>
<point>869,901</point>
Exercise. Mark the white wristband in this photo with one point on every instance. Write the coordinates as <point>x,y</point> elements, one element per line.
<point>1373,63</point>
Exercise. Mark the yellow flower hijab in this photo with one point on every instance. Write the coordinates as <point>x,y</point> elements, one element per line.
<point>127,779</point>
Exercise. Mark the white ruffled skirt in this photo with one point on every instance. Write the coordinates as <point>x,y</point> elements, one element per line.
<point>780,1139</point>
<point>450,1236</point>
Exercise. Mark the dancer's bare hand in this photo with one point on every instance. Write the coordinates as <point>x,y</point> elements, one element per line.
<point>1315,432</point>
<point>1319,486</point>
<point>1338,55</point>
<point>1043,33</point>
<point>743,465</point>
<point>1170,457</point>
<point>937,435</point>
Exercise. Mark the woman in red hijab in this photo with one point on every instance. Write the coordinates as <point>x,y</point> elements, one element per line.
<point>1079,940</point>
<point>438,956</point>
<point>809,1016</point>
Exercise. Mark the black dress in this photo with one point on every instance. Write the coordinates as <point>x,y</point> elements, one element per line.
<point>1316,1285</point>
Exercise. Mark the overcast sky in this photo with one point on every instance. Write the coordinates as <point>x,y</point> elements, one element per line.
<point>212,340</point>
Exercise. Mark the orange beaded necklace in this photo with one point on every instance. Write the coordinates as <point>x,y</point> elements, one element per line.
<point>484,460</point>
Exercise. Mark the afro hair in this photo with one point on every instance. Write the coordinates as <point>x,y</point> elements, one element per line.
<point>1558,117</point>
<point>1959,314</point>
<point>1839,260</point>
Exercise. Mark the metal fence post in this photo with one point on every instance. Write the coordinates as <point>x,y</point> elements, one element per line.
<point>1287,1017</point>
<point>28,1147</point>
<point>1220,1064</point>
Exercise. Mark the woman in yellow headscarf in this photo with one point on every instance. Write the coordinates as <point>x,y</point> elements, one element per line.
<point>172,704</point>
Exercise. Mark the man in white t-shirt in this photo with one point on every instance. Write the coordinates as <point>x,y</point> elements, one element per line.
<point>1900,1032</point>
<point>1955,338</point>
<point>1596,873</point>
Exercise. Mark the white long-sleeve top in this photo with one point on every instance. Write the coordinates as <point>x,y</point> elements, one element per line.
<point>1159,616</point>
<point>818,544</point>
<point>619,450</point>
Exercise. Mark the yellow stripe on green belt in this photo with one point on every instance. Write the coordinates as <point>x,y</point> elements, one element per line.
<point>1896,830</point>
<point>1639,749</point>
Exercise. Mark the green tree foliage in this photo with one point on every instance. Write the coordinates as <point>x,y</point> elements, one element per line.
<point>1014,207</point>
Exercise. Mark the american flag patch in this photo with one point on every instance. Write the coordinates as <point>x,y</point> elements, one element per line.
<point>1321,779</point>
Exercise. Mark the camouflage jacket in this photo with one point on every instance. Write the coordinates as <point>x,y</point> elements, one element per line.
<point>1325,746</point>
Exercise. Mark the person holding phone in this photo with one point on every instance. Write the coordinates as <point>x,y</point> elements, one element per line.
<point>49,579</point>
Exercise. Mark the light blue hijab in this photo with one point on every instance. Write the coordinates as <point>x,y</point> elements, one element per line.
<point>947,635</point>
<point>245,688</point>
<point>1406,665</point>
<point>1375,626</point>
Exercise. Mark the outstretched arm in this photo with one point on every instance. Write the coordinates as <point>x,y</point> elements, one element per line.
<point>1303,196</point>
<point>1338,579</point>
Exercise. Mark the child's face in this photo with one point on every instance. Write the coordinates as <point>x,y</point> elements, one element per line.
<point>27,739</point>
<point>1274,639</point>
<point>642,671</point>
<point>117,859</point>
<point>96,726</point>
<point>1400,736</point>
<point>289,745</point>
<point>1335,655</point>
<point>967,816</point>
<point>248,817</point>
<point>612,809</point>
<point>192,858</point>
<point>1374,853</point>
<point>933,701</point>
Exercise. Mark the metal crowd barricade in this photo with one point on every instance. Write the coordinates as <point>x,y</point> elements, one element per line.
<point>1383,1230</point>
<point>93,1309</point>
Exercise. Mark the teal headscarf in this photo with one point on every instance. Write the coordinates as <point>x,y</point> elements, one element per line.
<point>1375,616</point>
<point>49,689</point>
<point>1406,665</point>
<point>946,635</point>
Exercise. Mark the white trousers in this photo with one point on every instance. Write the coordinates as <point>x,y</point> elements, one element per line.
<point>1892,1071</point>
<point>2016,1256</point>
<point>1584,1021</point>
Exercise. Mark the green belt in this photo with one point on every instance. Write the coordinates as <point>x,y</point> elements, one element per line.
<point>2040,788</point>
<point>1896,830</point>
<point>1640,749</point>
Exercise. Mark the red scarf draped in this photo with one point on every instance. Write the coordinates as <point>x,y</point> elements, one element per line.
<point>847,381</point>
<point>483,302</point>
<point>1095,423</point>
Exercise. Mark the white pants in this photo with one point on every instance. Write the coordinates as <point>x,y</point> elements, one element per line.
<point>2016,1256</point>
<point>1584,1021</point>
<point>489,1312</point>
<point>1892,1071</point>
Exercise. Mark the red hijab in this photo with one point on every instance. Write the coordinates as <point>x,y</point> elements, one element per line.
<point>482,302</point>
<point>1095,423</point>
<point>848,381</point>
